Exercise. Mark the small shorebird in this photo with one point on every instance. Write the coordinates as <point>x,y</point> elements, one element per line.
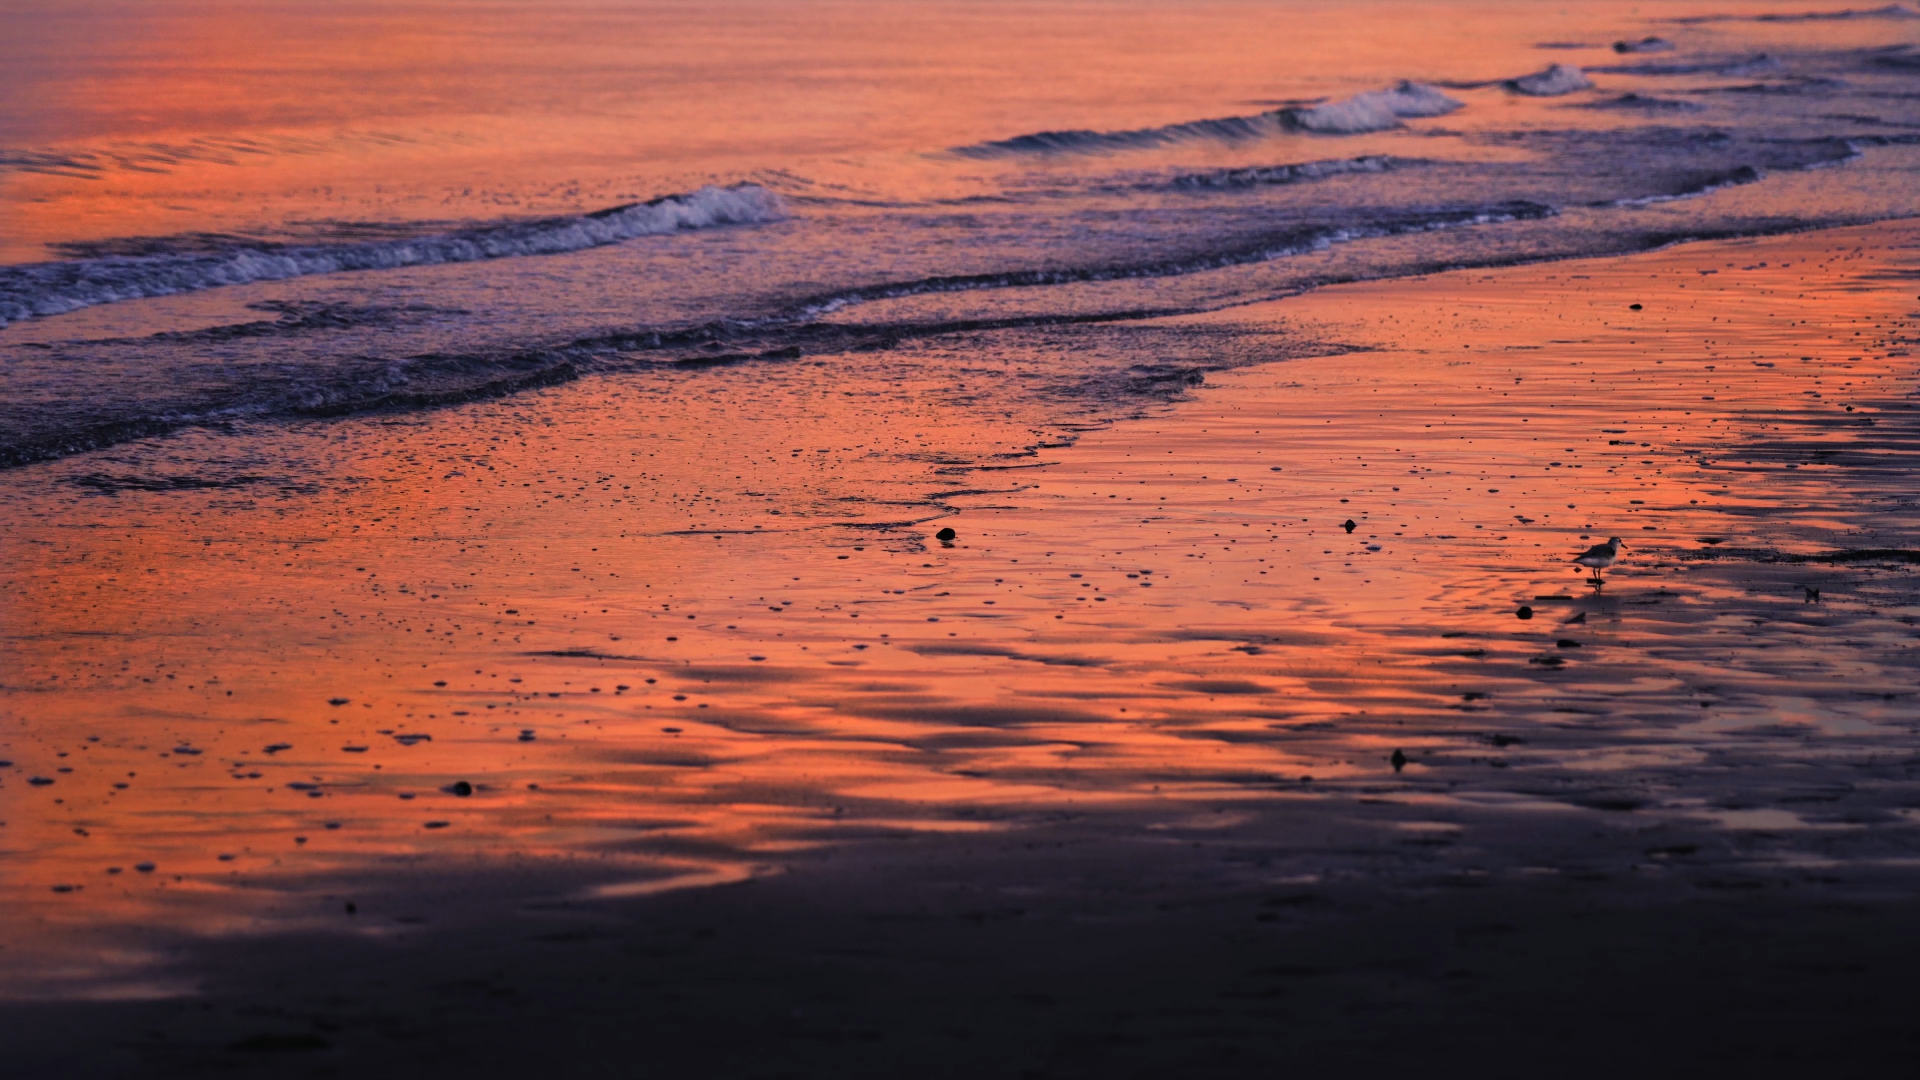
<point>1600,556</point>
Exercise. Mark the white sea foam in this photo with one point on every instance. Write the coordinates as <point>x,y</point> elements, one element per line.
<point>1553,82</point>
<point>1375,110</point>
<point>41,289</point>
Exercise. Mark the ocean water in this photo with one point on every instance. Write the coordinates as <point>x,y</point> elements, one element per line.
<point>246,212</point>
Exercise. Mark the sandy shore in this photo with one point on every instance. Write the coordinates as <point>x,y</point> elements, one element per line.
<point>761,778</point>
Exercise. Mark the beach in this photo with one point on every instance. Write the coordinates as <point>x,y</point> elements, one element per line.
<point>1152,648</point>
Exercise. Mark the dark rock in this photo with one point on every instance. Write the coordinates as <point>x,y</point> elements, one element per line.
<point>1525,612</point>
<point>1398,761</point>
<point>459,787</point>
<point>1349,526</point>
<point>945,535</point>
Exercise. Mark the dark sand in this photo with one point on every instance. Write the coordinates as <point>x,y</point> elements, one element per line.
<point>1029,828</point>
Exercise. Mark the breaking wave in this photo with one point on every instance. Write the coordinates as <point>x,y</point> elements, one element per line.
<point>1558,80</point>
<point>1375,110</point>
<point>53,288</point>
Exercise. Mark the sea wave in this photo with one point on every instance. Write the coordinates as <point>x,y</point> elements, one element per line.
<point>1644,103</point>
<point>1758,64</point>
<point>1225,129</point>
<point>1555,81</point>
<point>1303,172</point>
<point>53,288</point>
<point>1707,185</point>
<point>1375,110</point>
<point>1890,11</point>
<point>1298,240</point>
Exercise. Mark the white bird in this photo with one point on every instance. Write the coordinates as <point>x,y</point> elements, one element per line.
<point>1600,556</point>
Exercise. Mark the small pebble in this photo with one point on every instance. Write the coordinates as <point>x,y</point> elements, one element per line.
<point>1525,612</point>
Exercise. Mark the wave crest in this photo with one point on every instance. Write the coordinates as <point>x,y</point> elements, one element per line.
<point>1555,81</point>
<point>1375,110</point>
<point>53,288</point>
<point>1225,129</point>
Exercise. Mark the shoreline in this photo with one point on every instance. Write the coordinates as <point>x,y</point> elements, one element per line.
<point>1711,732</point>
<point>505,374</point>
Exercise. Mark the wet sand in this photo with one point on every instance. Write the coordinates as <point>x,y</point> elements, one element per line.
<point>763,778</point>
